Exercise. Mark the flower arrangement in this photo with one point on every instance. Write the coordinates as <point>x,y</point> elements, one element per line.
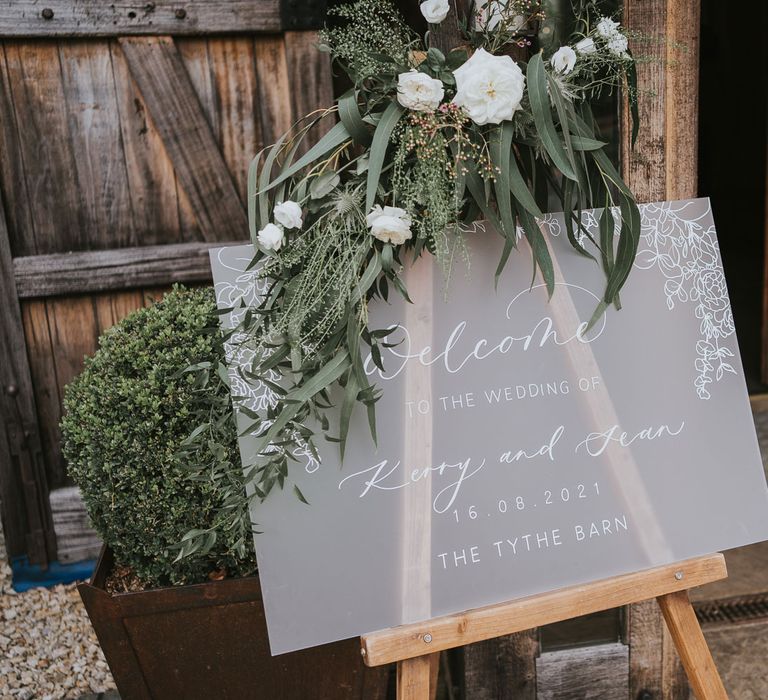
<point>427,144</point>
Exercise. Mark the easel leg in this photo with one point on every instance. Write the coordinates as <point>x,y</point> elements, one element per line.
<point>692,647</point>
<point>414,677</point>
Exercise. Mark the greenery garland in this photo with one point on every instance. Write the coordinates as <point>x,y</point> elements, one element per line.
<point>423,147</point>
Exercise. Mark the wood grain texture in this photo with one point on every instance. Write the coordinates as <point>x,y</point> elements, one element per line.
<point>90,103</point>
<point>502,668</point>
<point>194,54</point>
<point>236,107</point>
<point>274,96</point>
<point>663,165</point>
<point>47,155</point>
<point>13,186</point>
<point>154,202</point>
<point>664,162</point>
<point>23,483</point>
<point>586,673</point>
<point>692,647</point>
<point>78,273</point>
<point>41,361</point>
<point>94,18</point>
<point>311,69</point>
<point>493,621</point>
<point>413,678</point>
<point>176,112</point>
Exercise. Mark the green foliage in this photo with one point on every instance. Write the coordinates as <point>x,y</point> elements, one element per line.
<point>369,36</point>
<point>126,417</point>
<point>436,169</point>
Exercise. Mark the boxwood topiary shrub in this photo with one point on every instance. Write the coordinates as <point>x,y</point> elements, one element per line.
<point>126,417</point>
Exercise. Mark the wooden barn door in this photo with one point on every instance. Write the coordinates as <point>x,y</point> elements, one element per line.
<point>125,134</point>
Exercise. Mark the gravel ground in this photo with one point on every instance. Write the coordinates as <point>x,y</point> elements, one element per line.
<point>47,646</point>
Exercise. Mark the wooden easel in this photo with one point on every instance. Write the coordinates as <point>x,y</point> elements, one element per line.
<point>415,646</point>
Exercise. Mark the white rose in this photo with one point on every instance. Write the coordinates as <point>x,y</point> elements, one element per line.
<point>586,45</point>
<point>607,27</point>
<point>419,92</point>
<point>271,237</point>
<point>390,224</point>
<point>563,60</point>
<point>489,88</point>
<point>435,11</point>
<point>617,44</point>
<point>288,214</point>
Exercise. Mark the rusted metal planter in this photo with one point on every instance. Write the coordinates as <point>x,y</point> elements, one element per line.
<point>210,641</point>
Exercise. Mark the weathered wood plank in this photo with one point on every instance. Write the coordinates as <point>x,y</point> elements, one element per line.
<point>53,190</point>
<point>74,334</point>
<point>233,65</point>
<point>90,103</point>
<point>311,69</point>
<point>274,91</point>
<point>13,186</point>
<point>94,18</point>
<point>158,70</point>
<point>586,673</point>
<point>502,668</point>
<point>663,165</point>
<point>23,485</point>
<point>112,308</point>
<point>40,353</point>
<point>124,268</point>
<point>194,54</point>
<point>664,162</point>
<point>151,180</point>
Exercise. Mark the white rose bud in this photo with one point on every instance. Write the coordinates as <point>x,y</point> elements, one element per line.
<point>607,27</point>
<point>419,92</point>
<point>489,88</point>
<point>390,224</point>
<point>563,60</point>
<point>435,11</point>
<point>271,237</point>
<point>586,45</point>
<point>288,214</point>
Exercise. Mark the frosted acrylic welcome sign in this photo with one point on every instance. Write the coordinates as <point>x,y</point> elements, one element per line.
<point>516,453</point>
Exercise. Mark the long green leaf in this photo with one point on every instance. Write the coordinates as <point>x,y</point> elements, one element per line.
<point>254,220</point>
<point>379,146</point>
<point>349,113</point>
<point>500,143</point>
<point>542,116</point>
<point>332,139</point>
<point>629,239</point>
<point>540,250</point>
<point>330,372</point>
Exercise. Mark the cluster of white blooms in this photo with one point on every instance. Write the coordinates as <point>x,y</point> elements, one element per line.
<point>287,215</point>
<point>615,41</point>
<point>489,88</point>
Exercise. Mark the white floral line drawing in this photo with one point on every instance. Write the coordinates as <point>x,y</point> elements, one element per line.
<point>245,291</point>
<point>679,238</point>
<point>681,241</point>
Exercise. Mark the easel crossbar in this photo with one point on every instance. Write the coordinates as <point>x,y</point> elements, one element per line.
<point>430,636</point>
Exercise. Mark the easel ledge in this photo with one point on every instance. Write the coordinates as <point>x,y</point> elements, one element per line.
<point>412,645</point>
